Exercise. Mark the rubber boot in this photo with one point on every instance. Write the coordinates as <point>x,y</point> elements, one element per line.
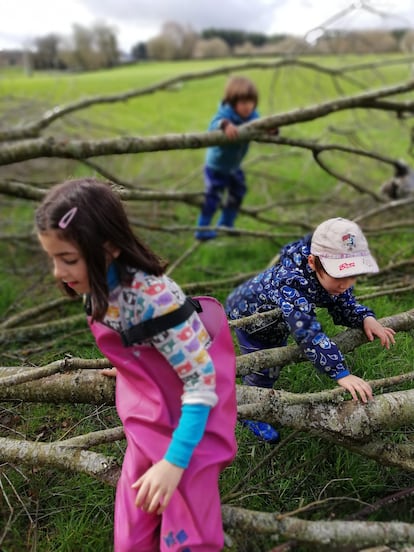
<point>203,235</point>
<point>227,217</point>
<point>262,430</point>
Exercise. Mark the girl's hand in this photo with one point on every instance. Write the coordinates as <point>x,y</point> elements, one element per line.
<point>231,131</point>
<point>356,386</point>
<point>110,372</point>
<point>373,328</point>
<point>156,486</point>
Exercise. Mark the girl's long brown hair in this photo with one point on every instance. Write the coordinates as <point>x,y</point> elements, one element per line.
<point>100,219</point>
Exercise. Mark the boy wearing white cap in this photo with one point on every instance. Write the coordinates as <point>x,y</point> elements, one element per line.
<point>319,270</point>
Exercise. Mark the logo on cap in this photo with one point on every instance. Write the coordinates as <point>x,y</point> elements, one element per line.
<point>349,241</point>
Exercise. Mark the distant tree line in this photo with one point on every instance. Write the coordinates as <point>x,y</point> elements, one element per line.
<point>233,37</point>
<point>96,47</point>
<point>87,48</point>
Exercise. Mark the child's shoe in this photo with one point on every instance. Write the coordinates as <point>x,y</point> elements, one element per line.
<point>203,235</point>
<point>263,431</point>
<point>227,217</point>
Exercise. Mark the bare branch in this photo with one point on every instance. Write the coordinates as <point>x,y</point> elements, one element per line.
<point>98,466</point>
<point>335,534</point>
<point>95,438</point>
<point>346,419</point>
<point>44,329</point>
<point>83,149</point>
<point>88,386</point>
<point>33,129</point>
<point>23,375</point>
<point>347,341</point>
<point>30,314</point>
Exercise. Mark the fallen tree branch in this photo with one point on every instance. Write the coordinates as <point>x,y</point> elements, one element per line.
<point>393,291</point>
<point>349,419</point>
<point>33,129</point>
<point>54,455</point>
<point>34,312</point>
<point>347,341</point>
<point>36,331</point>
<point>335,534</point>
<point>83,149</point>
<point>395,204</point>
<point>22,375</point>
<point>397,455</point>
<point>379,504</point>
<point>95,438</point>
<point>83,387</point>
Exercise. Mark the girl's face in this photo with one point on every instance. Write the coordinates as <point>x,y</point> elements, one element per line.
<point>244,108</point>
<point>334,286</point>
<point>69,266</point>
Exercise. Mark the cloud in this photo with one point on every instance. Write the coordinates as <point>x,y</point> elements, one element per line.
<point>145,17</point>
<point>235,14</point>
<point>139,20</point>
<point>302,16</point>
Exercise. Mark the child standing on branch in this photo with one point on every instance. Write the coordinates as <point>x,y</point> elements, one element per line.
<point>175,392</point>
<point>222,172</point>
<point>319,270</point>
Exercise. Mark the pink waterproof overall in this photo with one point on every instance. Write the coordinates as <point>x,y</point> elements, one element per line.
<point>148,401</point>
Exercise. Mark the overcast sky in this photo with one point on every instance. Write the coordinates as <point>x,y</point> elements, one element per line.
<point>139,20</point>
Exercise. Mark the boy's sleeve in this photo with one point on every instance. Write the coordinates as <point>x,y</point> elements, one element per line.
<point>307,332</point>
<point>346,311</point>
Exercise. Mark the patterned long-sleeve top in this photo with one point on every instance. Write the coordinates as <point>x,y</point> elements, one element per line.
<point>183,346</point>
<point>294,288</point>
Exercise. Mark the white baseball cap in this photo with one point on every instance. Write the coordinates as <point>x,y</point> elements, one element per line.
<point>342,248</point>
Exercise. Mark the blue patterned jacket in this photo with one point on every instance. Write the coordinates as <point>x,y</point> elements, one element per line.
<point>293,287</point>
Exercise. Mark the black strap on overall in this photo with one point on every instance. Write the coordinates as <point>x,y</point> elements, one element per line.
<point>148,328</point>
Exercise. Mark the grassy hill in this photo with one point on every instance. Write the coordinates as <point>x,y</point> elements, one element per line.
<point>46,510</point>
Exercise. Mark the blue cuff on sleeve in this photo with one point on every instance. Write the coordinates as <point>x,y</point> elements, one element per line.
<point>187,434</point>
<point>342,374</point>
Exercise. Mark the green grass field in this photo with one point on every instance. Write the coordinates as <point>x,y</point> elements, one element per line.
<point>49,511</point>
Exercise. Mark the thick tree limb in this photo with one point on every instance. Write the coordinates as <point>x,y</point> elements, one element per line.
<point>83,149</point>
<point>347,341</point>
<point>335,534</point>
<point>349,419</point>
<point>84,387</point>
<point>33,129</point>
<point>98,466</point>
<point>22,190</point>
<point>398,455</point>
<point>29,192</point>
<point>23,375</point>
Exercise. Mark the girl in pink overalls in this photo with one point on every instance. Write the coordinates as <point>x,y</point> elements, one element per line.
<point>175,383</point>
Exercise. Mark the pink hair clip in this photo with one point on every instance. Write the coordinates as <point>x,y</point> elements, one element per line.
<point>67,218</point>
